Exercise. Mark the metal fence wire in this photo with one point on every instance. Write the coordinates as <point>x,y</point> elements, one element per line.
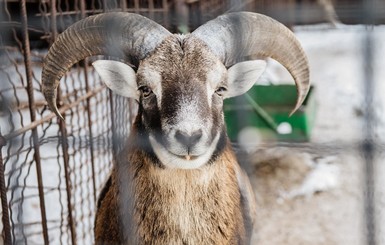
<point>51,171</point>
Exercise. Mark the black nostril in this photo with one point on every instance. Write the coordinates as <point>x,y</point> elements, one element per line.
<point>188,139</point>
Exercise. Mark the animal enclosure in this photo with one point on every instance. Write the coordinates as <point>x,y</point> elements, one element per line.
<point>51,171</point>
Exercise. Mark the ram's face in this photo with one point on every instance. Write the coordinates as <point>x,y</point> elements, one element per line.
<point>180,89</point>
<point>182,102</point>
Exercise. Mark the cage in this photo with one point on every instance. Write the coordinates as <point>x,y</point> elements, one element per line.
<point>51,171</point>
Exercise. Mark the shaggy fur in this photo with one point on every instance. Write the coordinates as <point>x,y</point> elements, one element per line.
<point>144,203</point>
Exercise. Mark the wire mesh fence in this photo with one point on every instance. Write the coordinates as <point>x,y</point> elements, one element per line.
<point>51,171</point>
<point>77,153</point>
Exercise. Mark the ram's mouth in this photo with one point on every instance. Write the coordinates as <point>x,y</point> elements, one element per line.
<point>175,158</point>
<point>188,157</point>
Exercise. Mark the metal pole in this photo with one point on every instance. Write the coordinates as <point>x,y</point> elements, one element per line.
<point>63,132</point>
<point>165,13</point>
<point>4,202</point>
<point>113,127</point>
<point>182,16</point>
<point>64,144</point>
<point>88,109</point>
<point>368,149</point>
<point>32,109</point>
<point>47,118</point>
<point>368,146</point>
<point>114,135</point>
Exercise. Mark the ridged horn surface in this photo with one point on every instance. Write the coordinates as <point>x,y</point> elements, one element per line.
<point>123,35</point>
<point>243,36</point>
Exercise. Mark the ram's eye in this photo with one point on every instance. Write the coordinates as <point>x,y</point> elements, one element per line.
<point>146,91</point>
<point>220,91</point>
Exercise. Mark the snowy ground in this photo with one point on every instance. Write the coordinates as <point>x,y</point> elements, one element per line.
<point>316,196</point>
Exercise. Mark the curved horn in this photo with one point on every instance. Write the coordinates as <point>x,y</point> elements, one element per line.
<point>124,35</point>
<point>241,36</point>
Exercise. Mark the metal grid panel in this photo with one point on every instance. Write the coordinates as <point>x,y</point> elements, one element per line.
<point>76,154</point>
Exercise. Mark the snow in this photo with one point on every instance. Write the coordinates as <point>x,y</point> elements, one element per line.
<point>318,197</point>
<point>323,177</point>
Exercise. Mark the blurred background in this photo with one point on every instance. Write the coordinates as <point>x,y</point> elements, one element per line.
<point>318,176</point>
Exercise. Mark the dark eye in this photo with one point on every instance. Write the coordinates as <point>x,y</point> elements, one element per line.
<point>146,91</point>
<point>220,91</point>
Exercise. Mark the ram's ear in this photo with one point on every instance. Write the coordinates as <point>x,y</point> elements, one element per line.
<point>118,76</point>
<point>243,75</point>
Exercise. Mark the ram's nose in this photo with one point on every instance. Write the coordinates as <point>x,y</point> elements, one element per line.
<point>188,139</point>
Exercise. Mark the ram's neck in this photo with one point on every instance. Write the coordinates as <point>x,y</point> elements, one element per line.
<point>202,203</point>
<point>221,166</point>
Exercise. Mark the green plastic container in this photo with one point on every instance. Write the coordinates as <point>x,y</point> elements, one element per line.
<point>277,101</point>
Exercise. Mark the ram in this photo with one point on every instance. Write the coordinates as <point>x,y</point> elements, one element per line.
<point>177,181</point>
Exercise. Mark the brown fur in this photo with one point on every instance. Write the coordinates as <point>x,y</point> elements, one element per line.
<point>201,206</point>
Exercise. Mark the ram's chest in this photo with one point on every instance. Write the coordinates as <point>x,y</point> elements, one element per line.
<point>182,207</point>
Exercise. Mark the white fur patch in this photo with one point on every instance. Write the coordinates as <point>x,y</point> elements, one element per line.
<point>171,160</point>
<point>243,75</point>
<point>189,117</point>
<point>118,77</point>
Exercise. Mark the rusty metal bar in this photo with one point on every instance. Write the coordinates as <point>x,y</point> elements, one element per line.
<point>368,148</point>
<point>64,144</point>
<point>14,24</point>
<point>182,16</point>
<point>63,132</point>
<point>88,109</point>
<point>165,13</point>
<point>96,11</point>
<point>31,100</point>
<point>114,147</point>
<point>151,8</point>
<point>105,9</point>
<point>4,202</point>
<point>62,111</point>
<point>113,127</point>
<point>136,6</point>
<point>123,5</point>
<point>45,119</point>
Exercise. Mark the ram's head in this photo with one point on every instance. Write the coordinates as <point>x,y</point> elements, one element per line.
<point>179,81</point>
